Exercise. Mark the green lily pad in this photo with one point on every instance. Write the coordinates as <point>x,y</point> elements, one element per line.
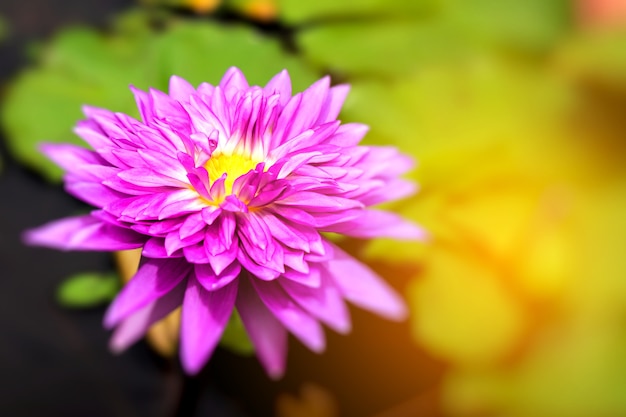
<point>88,289</point>
<point>527,24</point>
<point>294,11</point>
<point>379,48</point>
<point>82,66</point>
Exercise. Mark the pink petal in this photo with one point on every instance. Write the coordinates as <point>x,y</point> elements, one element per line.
<point>292,316</point>
<point>71,157</point>
<point>268,336</point>
<point>308,109</point>
<point>349,134</point>
<point>324,302</point>
<point>280,84</point>
<point>92,193</point>
<point>144,104</point>
<point>316,202</point>
<point>83,233</point>
<point>220,261</point>
<point>148,178</point>
<point>311,279</point>
<point>134,327</point>
<point>331,108</point>
<point>376,223</point>
<point>392,190</point>
<point>233,81</point>
<point>154,279</point>
<point>212,281</point>
<point>361,286</point>
<point>203,320</point>
<point>180,89</point>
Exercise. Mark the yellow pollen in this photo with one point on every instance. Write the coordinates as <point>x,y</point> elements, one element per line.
<point>233,165</point>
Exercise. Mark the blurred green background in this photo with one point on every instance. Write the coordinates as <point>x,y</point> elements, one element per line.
<point>516,113</point>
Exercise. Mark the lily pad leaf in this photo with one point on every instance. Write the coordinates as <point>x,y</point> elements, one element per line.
<point>82,66</point>
<point>379,48</point>
<point>295,11</point>
<point>88,289</point>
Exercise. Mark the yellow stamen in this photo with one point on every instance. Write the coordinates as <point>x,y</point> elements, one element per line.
<point>234,166</point>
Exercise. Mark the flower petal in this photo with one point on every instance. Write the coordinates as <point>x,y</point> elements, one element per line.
<point>83,233</point>
<point>203,320</point>
<point>131,329</point>
<point>154,278</point>
<point>376,223</point>
<point>292,316</point>
<point>212,281</point>
<point>361,286</point>
<point>324,302</point>
<point>268,336</point>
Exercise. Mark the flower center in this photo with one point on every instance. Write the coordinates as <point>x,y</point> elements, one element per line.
<point>234,166</point>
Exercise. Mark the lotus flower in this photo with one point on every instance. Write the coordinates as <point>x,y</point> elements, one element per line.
<point>228,190</point>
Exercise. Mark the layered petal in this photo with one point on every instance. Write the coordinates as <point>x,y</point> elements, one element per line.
<point>131,329</point>
<point>362,286</point>
<point>203,320</point>
<point>84,233</point>
<point>267,334</point>
<point>154,279</point>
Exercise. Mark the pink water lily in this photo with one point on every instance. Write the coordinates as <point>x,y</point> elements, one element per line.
<point>227,189</point>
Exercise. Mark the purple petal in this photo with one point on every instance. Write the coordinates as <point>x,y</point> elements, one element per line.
<point>192,224</point>
<point>92,193</point>
<point>268,336</point>
<point>331,108</point>
<point>280,84</point>
<point>220,261</point>
<point>308,109</point>
<point>180,89</point>
<point>203,320</point>
<point>292,316</point>
<point>154,278</point>
<point>376,223</point>
<point>83,233</point>
<point>324,302</point>
<point>89,131</point>
<point>211,281</point>
<point>391,190</point>
<point>233,81</point>
<point>144,104</point>
<point>294,259</point>
<point>173,242</point>
<point>196,254</point>
<point>260,271</point>
<point>134,327</point>
<point>71,157</point>
<point>316,202</point>
<point>287,233</point>
<point>210,213</point>
<point>148,178</point>
<point>155,248</point>
<point>349,134</point>
<point>311,279</point>
<point>361,286</point>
